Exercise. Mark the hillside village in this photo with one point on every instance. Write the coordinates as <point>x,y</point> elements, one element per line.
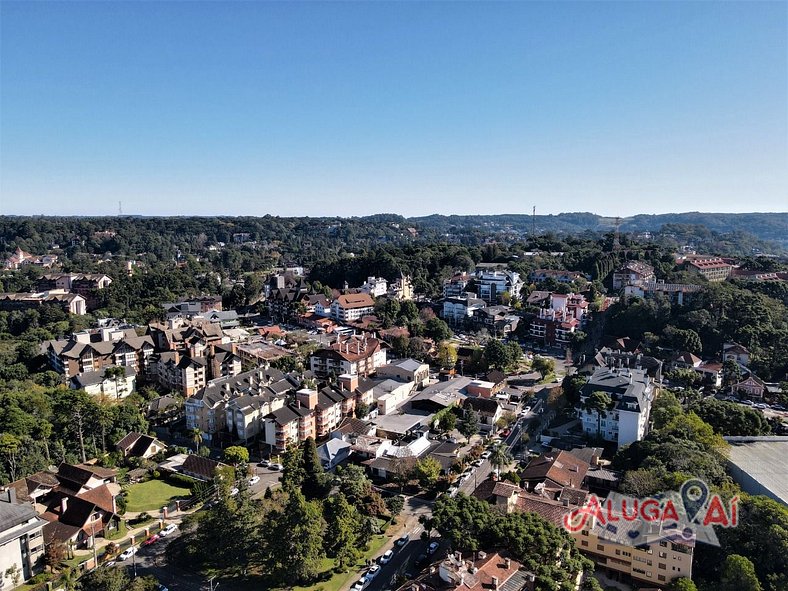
<point>508,392</point>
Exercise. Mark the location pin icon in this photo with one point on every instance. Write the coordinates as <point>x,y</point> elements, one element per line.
<point>694,494</point>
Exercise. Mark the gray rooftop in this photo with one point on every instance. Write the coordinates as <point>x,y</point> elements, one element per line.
<point>760,465</point>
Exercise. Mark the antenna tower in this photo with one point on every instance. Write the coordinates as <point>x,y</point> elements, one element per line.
<point>120,208</point>
<point>533,221</point>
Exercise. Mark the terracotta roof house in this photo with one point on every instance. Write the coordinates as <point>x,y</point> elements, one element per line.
<point>555,471</point>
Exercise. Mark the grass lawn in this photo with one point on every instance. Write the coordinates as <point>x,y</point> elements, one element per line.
<point>153,495</point>
<point>338,580</point>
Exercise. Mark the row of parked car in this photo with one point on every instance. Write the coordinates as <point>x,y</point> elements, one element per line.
<point>374,570</point>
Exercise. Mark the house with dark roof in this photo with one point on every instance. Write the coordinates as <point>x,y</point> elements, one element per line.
<point>139,445</point>
<point>98,383</point>
<point>77,501</point>
<point>488,409</point>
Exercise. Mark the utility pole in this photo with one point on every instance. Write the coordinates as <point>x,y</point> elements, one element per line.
<point>93,543</point>
<point>533,221</point>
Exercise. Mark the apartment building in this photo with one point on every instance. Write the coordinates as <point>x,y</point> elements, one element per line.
<point>633,272</point>
<point>458,309</point>
<point>351,307</point>
<point>713,269</point>
<point>94,350</point>
<point>455,286</point>
<point>359,355</point>
<point>560,275</point>
<point>289,425</point>
<point>556,324</point>
<point>406,370</point>
<point>632,393</point>
<point>71,303</point>
<point>491,285</point>
<point>21,540</point>
<point>239,403</point>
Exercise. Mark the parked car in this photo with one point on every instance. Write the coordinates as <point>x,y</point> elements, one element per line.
<point>110,563</point>
<point>486,455</point>
<point>478,462</point>
<point>422,560</point>
<point>254,480</point>
<point>276,467</point>
<point>360,585</point>
<point>151,540</point>
<point>402,541</point>
<point>264,463</point>
<point>760,406</point>
<point>162,588</point>
<point>128,553</point>
<point>170,529</point>
<point>373,572</point>
<point>234,491</point>
<point>433,548</point>
<point>386,558</point>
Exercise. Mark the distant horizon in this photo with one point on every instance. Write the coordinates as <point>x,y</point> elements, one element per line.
<point>381,213</point>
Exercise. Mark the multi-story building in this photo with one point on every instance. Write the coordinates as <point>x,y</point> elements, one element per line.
<point>406,370</point>
<point>349,355</point>
<point>21,540</point>
<point>350,307</point>
<point>499,320</point>
<point>402,288</point>
<point>713,269</point>
<point>555,325</point>
<point>94,350</point>
<point>239,403</point>
<point>631,392</point>
<point>633,272</point>
<point>98,383</point>
<point>67,301</point>
<point>457,310</point>
<point>375,287</point>
<point>677,293</point>
<point>20,258</point>
<point>289,425</point>
<point>455,287</point>
<point>491,285</point>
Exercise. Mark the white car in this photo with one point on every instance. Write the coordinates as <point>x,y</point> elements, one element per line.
<point>168,530</point>
<point>128,553</point>
<point>276,467</point>
<point>254,480</point>
<point>486,455</point>
<point>373,572</point>
<point>234,491</point>
<point>360,585</point>
<point>386,558</point>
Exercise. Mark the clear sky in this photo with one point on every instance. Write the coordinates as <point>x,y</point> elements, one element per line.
<point>248,108</point>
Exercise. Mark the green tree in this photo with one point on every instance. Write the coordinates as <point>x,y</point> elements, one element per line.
<point>543,365</point>
<point>666,407</point>
<point>738,574</point>
<point>237,455</point>
<point>599,403</point>
<point>499,458</point>
<point>196,437</point>
<point>447,354</point>
<point>315,483</point>
<point>342,530</point>
<point>496,354</point>
<point>469,425</point>
<point>437,330</point>
<point>296,543</point>
<point>427,471</point>
<point>731,373</point>
<point>682,584</point>
<point>293,473</point>
<point>10,447</point>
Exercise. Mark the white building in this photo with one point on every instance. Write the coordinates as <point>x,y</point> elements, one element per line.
<point>21,540</point>
<point>350,307</point>
<point>97,383</point>
<point>631,392</point>
<point>631,273</point>
<point>375,287</point>
<point>456,309</point>
<point>490,285</point>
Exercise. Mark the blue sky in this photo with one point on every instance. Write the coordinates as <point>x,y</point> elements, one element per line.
<point>236,108</point>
